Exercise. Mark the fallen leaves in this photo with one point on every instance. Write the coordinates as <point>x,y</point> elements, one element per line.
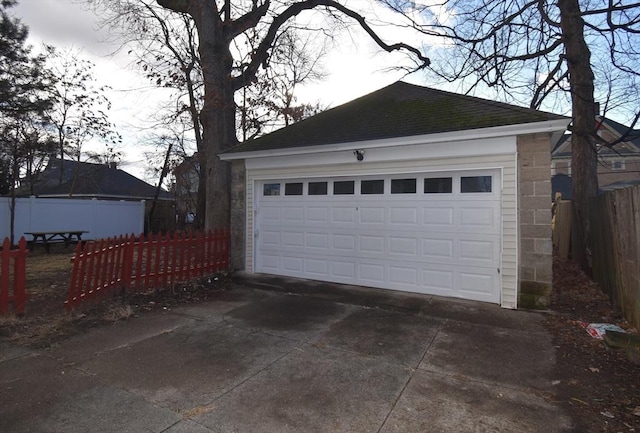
<point>600,385</point>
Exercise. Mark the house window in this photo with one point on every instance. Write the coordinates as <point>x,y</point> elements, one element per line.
<point>617,165</point>
<point>293,188</point>
<point>437,185</point>
<point>317,188</point>
<point>372,187</point>
<point>343,187</point>
<point>403,186</point>
<point>475,184</point>
<point>271,189</point>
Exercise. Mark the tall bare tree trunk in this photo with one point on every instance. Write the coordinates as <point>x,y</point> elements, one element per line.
<point>217,118</point>
<point>584,158</point>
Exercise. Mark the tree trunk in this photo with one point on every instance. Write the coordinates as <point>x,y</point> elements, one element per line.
<point>584,156</point>
<point>218,122</point>
<point>217,118</point>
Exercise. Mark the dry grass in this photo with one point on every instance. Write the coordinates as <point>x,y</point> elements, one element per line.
<point>49,273</point>
<point>45,320</point>
<point>118,312</point>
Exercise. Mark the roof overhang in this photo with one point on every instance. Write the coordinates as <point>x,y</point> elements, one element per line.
<point>557,126</point>
<point>111,197</point>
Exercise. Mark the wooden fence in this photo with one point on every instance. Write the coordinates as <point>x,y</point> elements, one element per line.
<point>13,276</point>
<point>615,253</point>
<point>124,264</point>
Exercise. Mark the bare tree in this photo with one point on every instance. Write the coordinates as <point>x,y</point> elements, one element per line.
<point>166,47</point>
<point>79,112</point>
<point>167,50</point>
<point>548,53</point>
<point>219,24</point>
<point>269,101</point>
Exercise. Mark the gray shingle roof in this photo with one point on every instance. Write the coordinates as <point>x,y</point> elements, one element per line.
<point>91,180</point>
<point>398,110</point>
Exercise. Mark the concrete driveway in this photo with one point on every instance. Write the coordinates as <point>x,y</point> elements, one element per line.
<point>306,357</point>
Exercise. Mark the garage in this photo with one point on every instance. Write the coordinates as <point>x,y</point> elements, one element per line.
<point>434,233</point>
<point>407,188</point>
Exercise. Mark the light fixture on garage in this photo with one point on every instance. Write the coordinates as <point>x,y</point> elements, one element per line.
<point>359,153</point>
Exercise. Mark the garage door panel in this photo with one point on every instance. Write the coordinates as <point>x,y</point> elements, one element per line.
<point>403,216</point>
<point>437,217</point>
<point>476,285</point>
<point>317,214</point>
<point>371,244</point>
<point>270,214</point>
<point>477,250</point>
<point>403,246</point>
<point>316,267</point>
<point>372,273</point>
<point>270,238</point>
<point>317,241</point>
<point>403,275</point>
<point>438,248</point>
<point>344,243</point>
<point>293,264</point>
<point>343,214</point>
<point>343,270</point>
<point>372,215</point>
<point>292,239</point>
<point>293,214</point>
<point>438,281</point>
<point>478,219</point>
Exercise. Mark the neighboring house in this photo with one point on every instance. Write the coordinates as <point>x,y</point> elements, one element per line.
<point>618,165</point>
<point>83,180</point>
<point>186,189</point>
<point>407,188</point>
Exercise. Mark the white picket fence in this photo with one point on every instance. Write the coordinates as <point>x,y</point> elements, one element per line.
<point>99,218</point>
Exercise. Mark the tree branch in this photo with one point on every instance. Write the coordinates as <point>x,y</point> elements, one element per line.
<point>183,6</point>
<point>262,52</point>
<point>247,21</point>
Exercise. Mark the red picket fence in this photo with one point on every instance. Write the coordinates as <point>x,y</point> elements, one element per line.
<point>128,263</point>
<point>13,279</point>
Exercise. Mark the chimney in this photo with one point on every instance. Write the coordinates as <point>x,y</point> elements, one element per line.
<point>113,164</point>
<point>596,108</point>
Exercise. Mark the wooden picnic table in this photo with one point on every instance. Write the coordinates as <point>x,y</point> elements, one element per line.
<point>54,236</point>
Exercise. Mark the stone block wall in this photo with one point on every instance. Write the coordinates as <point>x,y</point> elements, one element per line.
<point>238,215</point>
<point>534,207</point>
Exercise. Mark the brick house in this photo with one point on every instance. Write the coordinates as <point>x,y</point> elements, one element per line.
<point>407,188</point>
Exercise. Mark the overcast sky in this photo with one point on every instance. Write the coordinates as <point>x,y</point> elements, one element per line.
<point>354,67</point>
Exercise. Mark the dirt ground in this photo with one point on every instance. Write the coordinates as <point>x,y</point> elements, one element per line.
<point>598,386</point>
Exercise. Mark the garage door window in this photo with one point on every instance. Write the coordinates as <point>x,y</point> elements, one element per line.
<point>403,186</point>
<point>343,187</point>
<point>271,189</point>
<point>372,187</point>
<point>437,185</point>
<point>293,188</point>
<point>475,184</point>
<point>317,188</point>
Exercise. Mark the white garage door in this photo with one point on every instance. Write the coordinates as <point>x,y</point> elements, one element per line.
<point>433,233</point>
